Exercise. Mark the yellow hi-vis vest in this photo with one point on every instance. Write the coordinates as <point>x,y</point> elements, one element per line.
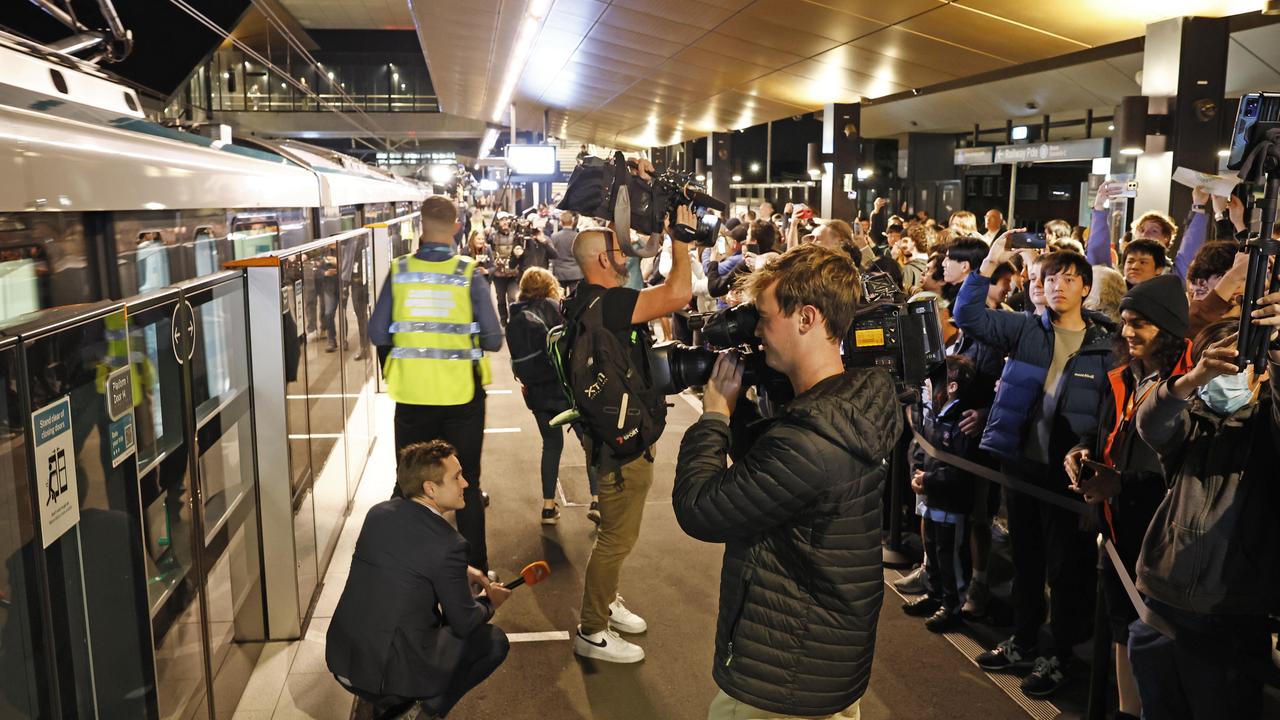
<point>435,339</point>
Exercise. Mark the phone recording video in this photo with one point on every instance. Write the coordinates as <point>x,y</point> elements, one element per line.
<point>1019,240</point>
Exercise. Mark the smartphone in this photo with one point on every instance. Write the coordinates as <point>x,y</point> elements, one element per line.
<point>1018,240</point>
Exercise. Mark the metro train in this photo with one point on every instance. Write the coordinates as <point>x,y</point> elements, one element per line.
<point>97,202</point>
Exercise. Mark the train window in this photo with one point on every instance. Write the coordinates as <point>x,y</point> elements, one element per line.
<point>254,235</point>
<point>59,81</point>
<point>350,217</point>
<point>43,263</point>
<point>151,258</point>
<point>130,102</point>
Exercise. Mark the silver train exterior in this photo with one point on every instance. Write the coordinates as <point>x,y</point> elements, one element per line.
<point>97,202</point>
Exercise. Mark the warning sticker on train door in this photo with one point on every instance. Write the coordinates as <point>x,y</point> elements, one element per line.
<point>55,470</point>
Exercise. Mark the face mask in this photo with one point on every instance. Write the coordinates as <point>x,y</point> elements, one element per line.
<point>1226,394</point>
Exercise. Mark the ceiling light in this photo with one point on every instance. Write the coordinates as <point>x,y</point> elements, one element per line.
<point>1226,153</point>
<point>1131,151</point>
<point>755,167</point>
<point>441,174</point>
<point>490,138</point>
<point>1019,132</point>
<point>520,55</point>
<point>1111,127</point>
<point>864,173</point>
<point>737,178</point>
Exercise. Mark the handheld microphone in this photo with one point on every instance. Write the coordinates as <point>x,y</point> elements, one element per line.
<point>532,574</point>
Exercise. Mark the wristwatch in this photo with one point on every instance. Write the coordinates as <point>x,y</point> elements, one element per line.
<point>1197,207</point>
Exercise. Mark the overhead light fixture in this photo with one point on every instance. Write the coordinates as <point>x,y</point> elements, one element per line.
<point>814,158</point>
<point>1134,122</point>
<point>1019,132</point>
<point>486,145</point>
<point>755,168</point>
<point>736,178</point>
<point>440,174</point>
<point>865,173</point>
<point>519,54</point>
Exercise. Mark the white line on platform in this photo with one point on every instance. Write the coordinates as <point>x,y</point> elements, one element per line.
<point>538,636</point>
<point>693,402</point>
<point>491,431</point>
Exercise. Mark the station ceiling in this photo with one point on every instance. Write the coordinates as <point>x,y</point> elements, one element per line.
<point>639,73</point>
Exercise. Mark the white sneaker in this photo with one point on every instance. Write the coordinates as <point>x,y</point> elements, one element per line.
<point>913,583</point>
<point>606,645</point>
<point>623,620</point>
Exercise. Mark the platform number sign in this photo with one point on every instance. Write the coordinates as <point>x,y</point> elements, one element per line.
<point>55,465</point>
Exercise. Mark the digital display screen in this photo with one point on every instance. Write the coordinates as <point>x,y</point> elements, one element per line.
<point>531,159</point>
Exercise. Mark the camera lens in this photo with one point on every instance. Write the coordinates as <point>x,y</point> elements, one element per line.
<point>732,327</point>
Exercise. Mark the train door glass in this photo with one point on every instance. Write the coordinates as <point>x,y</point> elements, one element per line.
<point>43,262</point>
<point>349,216</point>
<point>254,235</point>
<point>167,495</point>
<point>321,294</point>
<point>223,427</point>
<point>210,250</point>
<point>357,353</point>
<point>298,325</point>
<point>96,568</point>
<point>23,684</point>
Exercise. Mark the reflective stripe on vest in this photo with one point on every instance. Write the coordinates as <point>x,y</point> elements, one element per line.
<point>436,341</point>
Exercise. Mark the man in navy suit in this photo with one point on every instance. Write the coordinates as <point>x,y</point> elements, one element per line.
<point>409,625</point>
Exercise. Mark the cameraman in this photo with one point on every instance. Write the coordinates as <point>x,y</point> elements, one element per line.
<point>506,262</point>
<point>1210,561</point>
<point>799,513</point>
<point>623,484</point>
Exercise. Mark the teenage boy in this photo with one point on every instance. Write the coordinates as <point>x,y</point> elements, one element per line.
<point>1048,397</point>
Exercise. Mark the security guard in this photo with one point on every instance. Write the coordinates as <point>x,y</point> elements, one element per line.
<point>432,323</point>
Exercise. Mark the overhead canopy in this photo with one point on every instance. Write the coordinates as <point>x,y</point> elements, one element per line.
<point>653,72</point>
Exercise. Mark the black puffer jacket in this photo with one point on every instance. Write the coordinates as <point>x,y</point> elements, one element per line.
<point>799,514</point>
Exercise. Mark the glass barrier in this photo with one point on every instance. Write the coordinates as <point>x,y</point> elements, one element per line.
<point>357,354</point>
<point>294,331</point>
<point>22,633</point>
<point>96,565</point>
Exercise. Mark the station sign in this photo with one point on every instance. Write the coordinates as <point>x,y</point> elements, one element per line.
<point>1086,149</point>
<point>973,156</point>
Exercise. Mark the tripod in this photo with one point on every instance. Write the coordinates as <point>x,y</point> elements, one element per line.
<point>1261,166</point>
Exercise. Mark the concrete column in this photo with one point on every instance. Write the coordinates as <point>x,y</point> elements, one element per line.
<point>720,166</point>
<point>1184,70</point>
<point>842,142</point>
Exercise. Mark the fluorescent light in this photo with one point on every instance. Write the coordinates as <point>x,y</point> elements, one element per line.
<point>1131,151</point>
<point>755,167</point>
<point>516,62</point>
<point>737,178</point>
<point>440,174</point>
<point>1019,132</point>
<point>1224,153</point>
<point>864,173</point>
<point>486,145</point>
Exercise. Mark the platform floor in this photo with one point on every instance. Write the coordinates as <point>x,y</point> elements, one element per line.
<point>670,579</point>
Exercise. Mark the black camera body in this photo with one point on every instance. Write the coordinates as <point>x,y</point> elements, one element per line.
<point>903,338</point>
<point>673,189</point>
<point>524,229</point>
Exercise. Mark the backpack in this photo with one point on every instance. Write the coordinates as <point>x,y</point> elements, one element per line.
<point>617,403</point>
<point>527,340</point>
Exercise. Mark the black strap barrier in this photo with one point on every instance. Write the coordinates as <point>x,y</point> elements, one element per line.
<point>1264,672</point>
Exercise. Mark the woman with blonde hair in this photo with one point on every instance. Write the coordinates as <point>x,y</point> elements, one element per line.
<point>478,249</point>
<point>963,222</point>
<point>535,312</point>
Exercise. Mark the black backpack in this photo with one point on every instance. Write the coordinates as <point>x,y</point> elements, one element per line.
<point>527,340</point>
<point>617,403</point>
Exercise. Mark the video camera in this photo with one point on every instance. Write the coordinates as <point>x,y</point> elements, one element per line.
<point>904,338</point>
<point>524,229</point>
<point>613,190</point>
<point>1255,152</point>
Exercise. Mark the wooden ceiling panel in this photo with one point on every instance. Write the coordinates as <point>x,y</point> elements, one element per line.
<point>799,91</point>
<point>635,23</point>
<point>771,15</point>
<point>695,13</point>
<point>629,54</point>
<point>992,35</point>
<point>624,37</point>
<point>723,67</point>
<point>929,52</point>
<point>797,42</point>
<point>883,67</point>
<point>746,51</point>
<point>879,10</point>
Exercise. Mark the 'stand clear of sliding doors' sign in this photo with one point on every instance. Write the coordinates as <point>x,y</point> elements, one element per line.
<point>55,470</point>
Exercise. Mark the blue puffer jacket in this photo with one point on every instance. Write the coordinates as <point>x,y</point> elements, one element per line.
<point>1028,339</point>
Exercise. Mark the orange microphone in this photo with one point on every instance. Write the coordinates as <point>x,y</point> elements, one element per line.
<point>532,574</point>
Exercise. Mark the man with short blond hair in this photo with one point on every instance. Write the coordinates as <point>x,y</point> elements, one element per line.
<point>786,644</point>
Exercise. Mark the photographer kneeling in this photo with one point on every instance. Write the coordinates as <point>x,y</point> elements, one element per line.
<point>1210,561</point>
<point>799,513</point>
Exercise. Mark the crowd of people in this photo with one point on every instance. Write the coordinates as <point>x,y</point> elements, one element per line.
<point>1091,388</point>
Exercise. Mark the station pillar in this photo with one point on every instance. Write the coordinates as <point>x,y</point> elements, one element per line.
<point>842,153</point>
<point>720,166</point>
<point>1184,72</point>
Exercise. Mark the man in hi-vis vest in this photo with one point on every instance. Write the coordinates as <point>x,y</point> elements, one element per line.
<point>432,323</point>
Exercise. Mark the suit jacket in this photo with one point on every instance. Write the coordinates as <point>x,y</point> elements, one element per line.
<point>407,607</point>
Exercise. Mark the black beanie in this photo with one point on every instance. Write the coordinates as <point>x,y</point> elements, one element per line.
<point>1162,301</point>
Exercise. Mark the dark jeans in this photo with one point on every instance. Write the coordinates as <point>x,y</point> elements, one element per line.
<point>506,288</point>
<point>949,560</point>
<point>1049,546</point>
<point>463,427</point>
<point>552,448</point>
<point>1131,513</point>
<point>1180,682</point>
<point>486,649</point>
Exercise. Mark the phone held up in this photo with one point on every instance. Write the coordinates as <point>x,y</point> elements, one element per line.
<point>1020,240</point>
